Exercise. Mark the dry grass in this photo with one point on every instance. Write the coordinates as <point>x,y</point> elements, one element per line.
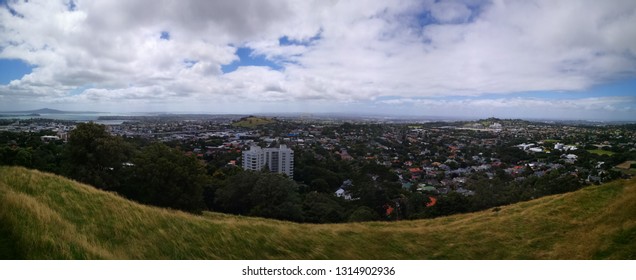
<point>601,152</point>
<point>49,217</point>
<point>626,165</point>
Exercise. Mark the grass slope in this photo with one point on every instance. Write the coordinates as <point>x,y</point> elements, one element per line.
<point>601,152</point>
<point>44,216</point>
<point>252,122</point>
<point>626,164</point>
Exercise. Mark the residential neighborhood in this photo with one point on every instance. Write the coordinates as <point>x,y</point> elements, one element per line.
<point>348,159</point>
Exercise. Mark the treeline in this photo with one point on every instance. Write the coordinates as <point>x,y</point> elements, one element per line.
<point>26,149</point>
<point>153,174</point>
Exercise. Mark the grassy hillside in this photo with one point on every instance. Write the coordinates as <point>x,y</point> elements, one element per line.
<point>43,216</point>
<point>252,122</point>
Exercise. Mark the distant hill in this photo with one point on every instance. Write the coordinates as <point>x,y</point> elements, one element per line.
<point>252,122</point>
<point>51,111</point>
<point>44,216</point>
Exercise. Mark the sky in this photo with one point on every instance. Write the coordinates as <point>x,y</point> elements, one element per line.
<point>528,59</point>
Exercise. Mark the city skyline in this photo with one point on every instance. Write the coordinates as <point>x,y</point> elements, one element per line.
<point>465,59</point>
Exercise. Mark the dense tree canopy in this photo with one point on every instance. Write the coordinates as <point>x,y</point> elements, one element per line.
<point>95,157</point>
<point>322,208</point>
<point>166,177</point>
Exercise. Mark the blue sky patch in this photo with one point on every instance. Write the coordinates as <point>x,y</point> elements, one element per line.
<point>189,63</point>
<point>11,10</point>
<point>285,41</point>
<point>425,18</point>
<point>71,5</point>
<point>247,58</point>
<point>165,35</point>
<point>13,69</point>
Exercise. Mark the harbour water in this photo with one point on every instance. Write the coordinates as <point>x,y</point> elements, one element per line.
<point>65,117</point>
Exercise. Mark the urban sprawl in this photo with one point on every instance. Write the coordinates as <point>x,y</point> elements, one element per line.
<point>434,158</point>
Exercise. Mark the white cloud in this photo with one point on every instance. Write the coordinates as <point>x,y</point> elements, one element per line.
<point>450,12</point>
<point>365,50</point>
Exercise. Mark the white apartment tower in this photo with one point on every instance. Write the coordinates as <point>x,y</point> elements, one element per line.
<point>279,160</point>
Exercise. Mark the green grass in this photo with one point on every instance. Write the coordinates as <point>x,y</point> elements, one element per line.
<point>44,216</point>
<point>601,152</point>
<point>631,172</point>
<point>252,122</point>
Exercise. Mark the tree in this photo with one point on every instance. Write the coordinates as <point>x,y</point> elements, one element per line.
<point>310,173</point>
<point>275,196</point>
<point>370,194</point>
<point>232,197</point>
<point>219,180</point>
<point>322,208</point>
<point>452,203</point>
<point>47,157</point>
<point>380,170</point>
<point>363,214</point>
<point>166,177</point>
<point>95,157</point>
<point>24,157</point>
<point>416,204</point>
<point>320,185</point>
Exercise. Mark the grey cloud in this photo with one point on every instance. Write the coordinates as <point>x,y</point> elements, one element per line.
<point>234,20</point>
<point>275,88</point>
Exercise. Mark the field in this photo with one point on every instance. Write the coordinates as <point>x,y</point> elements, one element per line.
<point>44,216</point>
<point>625,168</point>
<point>601,152</point>
<point>626,165</point>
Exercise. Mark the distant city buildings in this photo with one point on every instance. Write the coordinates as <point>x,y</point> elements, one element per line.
<point>278,160</point>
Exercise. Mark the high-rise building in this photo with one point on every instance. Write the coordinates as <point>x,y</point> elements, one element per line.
<point>278,160</point>
<point>254,159</point>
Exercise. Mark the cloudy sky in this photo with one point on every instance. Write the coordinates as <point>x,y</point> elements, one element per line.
<point>510,59</point>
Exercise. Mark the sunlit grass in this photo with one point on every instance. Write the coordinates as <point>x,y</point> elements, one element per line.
<point>601,152</point>
<point>44,216</point>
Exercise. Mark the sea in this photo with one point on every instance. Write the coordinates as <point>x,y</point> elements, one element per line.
<point>66,117</point>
